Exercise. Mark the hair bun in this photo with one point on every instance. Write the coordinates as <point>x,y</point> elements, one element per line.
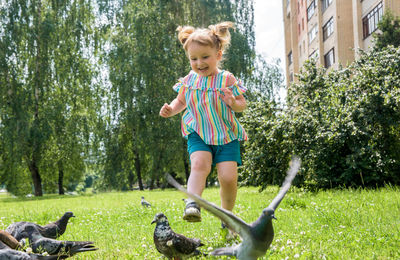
<point>184,33</point>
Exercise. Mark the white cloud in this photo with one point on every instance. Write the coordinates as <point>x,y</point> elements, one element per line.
<point>269,28</point>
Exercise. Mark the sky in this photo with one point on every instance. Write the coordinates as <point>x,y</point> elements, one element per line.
<point>268,22</point>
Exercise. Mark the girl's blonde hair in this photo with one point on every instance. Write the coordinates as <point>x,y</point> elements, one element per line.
<point>216,36</point>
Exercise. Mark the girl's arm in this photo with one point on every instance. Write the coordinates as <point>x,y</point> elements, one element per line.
<point>177,105</point>
<point>238,103</point>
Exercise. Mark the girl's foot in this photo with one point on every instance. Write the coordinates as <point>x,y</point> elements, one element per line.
<point>192,212</point>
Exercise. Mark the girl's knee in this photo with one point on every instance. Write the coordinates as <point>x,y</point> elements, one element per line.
<point>228,180</point>
<point>200,166</point>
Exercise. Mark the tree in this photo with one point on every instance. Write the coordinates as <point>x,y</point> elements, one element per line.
<point>47,103</point>
<point>388,31</point>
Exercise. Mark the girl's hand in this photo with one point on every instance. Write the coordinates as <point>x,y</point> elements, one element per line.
<point>227,96</point>
<point>166,111</point>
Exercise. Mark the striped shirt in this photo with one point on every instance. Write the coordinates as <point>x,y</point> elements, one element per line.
<point>206,113</point>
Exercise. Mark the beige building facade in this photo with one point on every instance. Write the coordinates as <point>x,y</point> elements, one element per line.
<point>330,31</point>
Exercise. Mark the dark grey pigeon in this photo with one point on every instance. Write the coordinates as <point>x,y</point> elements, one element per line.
<point>41,244</point>
<point>257,236</point>
<point>171,244</point>
<point>145,203</point>
<point>51,230</point>
<point>8,244</point>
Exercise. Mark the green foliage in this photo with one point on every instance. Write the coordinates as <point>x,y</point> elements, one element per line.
<point>267,151</point>
<point>335,224</point>
<point>82,84</point>
<point>48,100</point>
<point>389,31</point>
<point>343,124</point>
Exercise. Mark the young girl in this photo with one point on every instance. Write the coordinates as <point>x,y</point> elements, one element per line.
<point>211,97</point>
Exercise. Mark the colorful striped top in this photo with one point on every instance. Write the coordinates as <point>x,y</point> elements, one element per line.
<point>206,113</point>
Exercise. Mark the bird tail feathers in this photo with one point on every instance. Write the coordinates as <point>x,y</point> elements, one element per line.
<point>82,248</point>
<point>48,257</point>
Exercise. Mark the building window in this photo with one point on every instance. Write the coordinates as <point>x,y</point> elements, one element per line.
<point>371,20</point>
<point>311,10</point>
<point>329,58</point>
<point>290,58</point>
<point>302,24</point>
<point>312,34</point>
<point>326,4</point>
<point>327,30</point>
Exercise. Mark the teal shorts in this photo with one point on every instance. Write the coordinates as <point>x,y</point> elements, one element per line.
<point>220,153</point>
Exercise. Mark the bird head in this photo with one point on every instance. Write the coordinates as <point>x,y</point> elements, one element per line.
<point>160,218</point>
<point>142,198</point>
<point>31,232</point>
<point>269,213</point>
<point>69,215</point>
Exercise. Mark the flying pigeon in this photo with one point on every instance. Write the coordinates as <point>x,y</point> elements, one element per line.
<point>257,236</point>
<point>51,230</point>
<point>145,203</point>
<point>171,244</point>
<point>8,244</point>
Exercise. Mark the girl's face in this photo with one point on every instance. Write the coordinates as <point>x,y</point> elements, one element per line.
<point>203,59</point>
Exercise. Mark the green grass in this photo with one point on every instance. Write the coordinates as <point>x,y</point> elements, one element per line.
<point>338,224</point>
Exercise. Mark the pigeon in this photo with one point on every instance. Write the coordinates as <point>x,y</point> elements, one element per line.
<point>171,244</point>
<point>39,243</point>
<point>145,203</point>
<point>51,230</point>
<point>8,244</point>
<point>257,236</point>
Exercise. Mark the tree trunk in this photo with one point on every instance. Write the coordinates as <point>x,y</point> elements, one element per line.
<point>138,170</point>
<point>130,180</point>
<point>60,178</point>
<point>37,181</point>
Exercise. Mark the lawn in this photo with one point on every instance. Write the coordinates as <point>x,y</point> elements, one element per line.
<point>338,224</point>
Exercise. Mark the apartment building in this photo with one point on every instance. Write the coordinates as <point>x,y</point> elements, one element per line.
<point>330,31</point>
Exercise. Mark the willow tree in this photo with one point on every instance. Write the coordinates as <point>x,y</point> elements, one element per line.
<point>144,61</point>
<point>46,94</point>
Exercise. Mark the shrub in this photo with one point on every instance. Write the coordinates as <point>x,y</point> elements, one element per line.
<point>343,124</point>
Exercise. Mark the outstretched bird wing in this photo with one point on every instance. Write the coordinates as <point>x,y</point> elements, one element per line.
<point>233,222</point>
<point>294,168</point>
